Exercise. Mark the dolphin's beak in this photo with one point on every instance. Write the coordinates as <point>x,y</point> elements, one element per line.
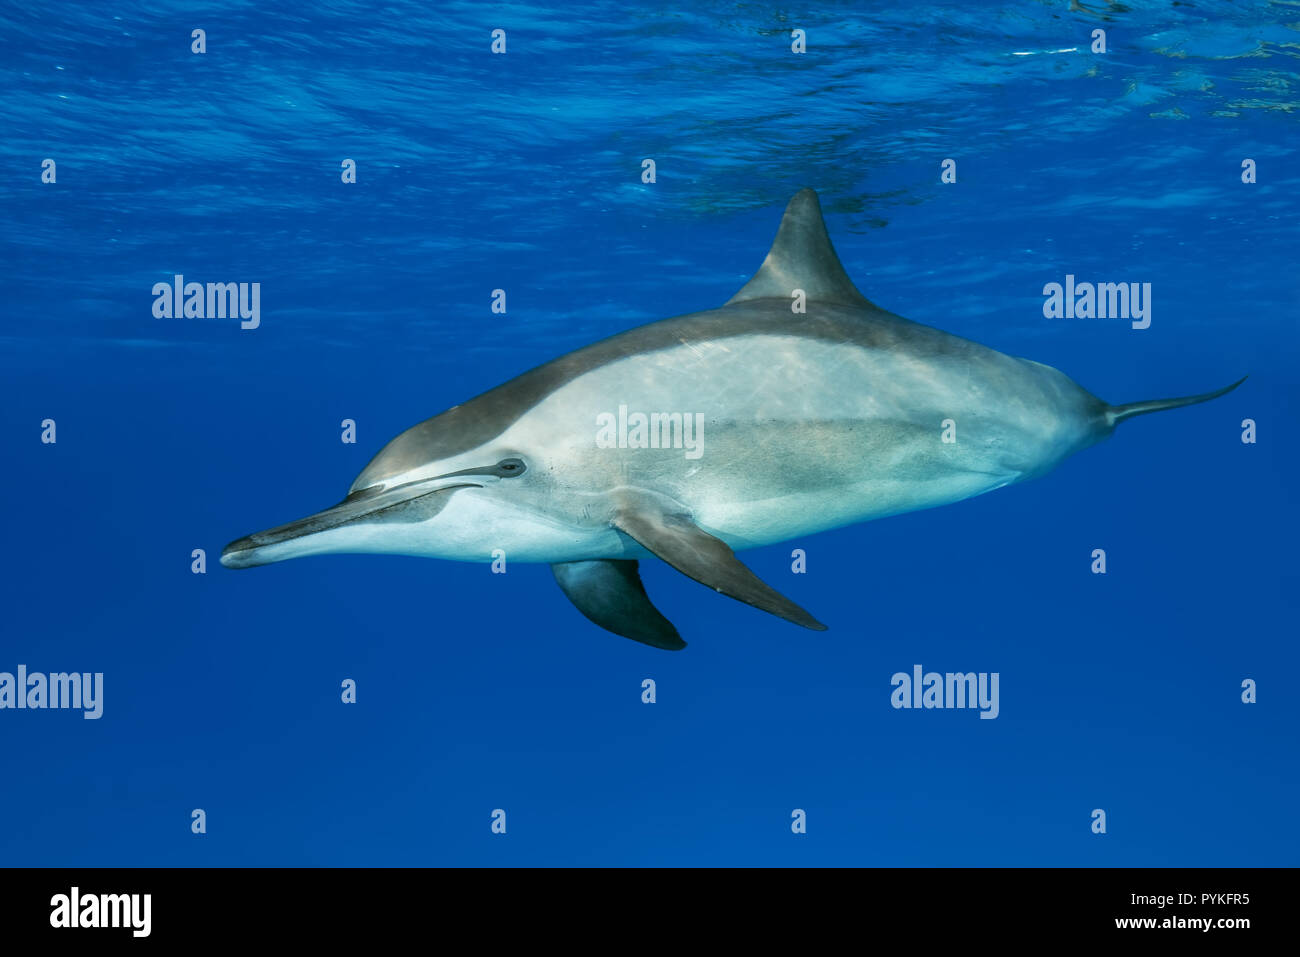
<point>413,501</point>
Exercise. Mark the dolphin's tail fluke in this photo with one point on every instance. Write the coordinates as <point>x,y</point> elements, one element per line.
<point>1118,413</point>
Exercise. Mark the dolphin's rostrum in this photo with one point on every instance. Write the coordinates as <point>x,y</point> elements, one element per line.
<point>808,421</point>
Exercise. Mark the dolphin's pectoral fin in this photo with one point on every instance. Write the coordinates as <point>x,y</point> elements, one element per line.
<point>609,592</point>
<point>697,554</point>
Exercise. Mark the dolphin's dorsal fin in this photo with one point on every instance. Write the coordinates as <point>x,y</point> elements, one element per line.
<point>802,257</point>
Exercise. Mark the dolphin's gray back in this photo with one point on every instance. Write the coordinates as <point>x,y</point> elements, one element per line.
<point>842,364</point>
<point>908,360</point>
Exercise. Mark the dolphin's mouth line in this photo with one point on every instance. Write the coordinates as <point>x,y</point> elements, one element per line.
<point>407,501</point>
<point>370,504</point>
<point>372,491</point>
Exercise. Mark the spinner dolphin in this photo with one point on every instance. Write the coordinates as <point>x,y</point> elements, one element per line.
<point>695,437</point>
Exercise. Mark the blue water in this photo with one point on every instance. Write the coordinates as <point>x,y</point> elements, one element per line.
<point>523,172</point>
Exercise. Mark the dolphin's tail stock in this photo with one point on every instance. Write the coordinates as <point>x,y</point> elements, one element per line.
<point>1116,414</point>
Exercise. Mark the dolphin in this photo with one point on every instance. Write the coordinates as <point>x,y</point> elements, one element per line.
<point>796,407</point>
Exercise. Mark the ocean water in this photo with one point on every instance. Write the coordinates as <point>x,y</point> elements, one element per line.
<point>478,171</point>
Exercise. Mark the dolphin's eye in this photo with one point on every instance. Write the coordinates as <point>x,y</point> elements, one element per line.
<point>511,468</point>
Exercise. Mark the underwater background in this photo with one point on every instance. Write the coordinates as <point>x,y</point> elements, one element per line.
<point>523,171</point>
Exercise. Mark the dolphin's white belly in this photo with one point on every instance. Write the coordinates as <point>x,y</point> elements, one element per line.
<point>747,524</point>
